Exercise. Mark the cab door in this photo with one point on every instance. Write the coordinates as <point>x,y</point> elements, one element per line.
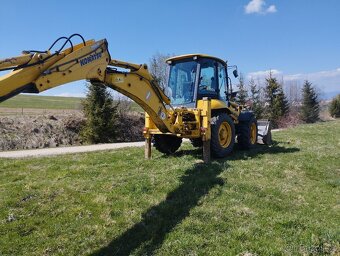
<point>222,81</point>
<point>208,85</point>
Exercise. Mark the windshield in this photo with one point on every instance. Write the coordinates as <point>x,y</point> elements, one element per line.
<point>182,82</point>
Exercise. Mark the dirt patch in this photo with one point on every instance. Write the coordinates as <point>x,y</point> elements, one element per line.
<point>130,127</point>
<point>42,131</point>
<point>60,129</point>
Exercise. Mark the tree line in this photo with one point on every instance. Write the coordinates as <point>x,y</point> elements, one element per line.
<point>269,101</point>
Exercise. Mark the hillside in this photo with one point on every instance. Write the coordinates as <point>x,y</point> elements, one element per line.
<point>42,102</point>
<point>282,200</point>
<point>31,121</point>
<point>31,104</point>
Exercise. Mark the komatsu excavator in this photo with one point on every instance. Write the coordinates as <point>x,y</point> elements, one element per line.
<point>197,103</point>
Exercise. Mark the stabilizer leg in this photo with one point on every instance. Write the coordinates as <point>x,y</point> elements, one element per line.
<point>148,147</point>
<point>206,151</point>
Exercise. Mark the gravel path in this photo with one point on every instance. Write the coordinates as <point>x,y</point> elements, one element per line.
<point>75,149</point>
<point>67,150</point>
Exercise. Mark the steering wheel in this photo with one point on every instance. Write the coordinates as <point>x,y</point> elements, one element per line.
<point>203,87</point>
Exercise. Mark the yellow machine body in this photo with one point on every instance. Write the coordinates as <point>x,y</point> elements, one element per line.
<point>37,71</point>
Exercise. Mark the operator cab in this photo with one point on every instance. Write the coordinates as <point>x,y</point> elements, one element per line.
<point>194,76</point>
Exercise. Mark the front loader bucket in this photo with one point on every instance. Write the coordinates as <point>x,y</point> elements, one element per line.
<point>264,134</point>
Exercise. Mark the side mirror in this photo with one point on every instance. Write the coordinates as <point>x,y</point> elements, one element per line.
<point>235,73</point>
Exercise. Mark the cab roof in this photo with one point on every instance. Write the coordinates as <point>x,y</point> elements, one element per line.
<point>198,55</point>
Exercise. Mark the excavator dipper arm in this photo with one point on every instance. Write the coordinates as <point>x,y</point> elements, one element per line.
<point>139,85</point>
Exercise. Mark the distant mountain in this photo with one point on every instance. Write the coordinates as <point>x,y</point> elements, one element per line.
<point>328,95</point>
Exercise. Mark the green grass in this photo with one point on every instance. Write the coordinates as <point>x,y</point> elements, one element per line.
<point>42,102</point>
<point>282,200</point>
<point>49,102</point>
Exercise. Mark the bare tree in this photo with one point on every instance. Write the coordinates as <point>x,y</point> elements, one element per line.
<point>124,104</point>
<point>293,92</point>
<point>158,68</point>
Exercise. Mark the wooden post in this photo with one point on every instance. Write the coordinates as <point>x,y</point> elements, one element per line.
<point>147,136</point>
<point>148,147</point>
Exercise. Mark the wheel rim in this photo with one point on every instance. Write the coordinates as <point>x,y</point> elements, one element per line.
<point>224,134</point>
<point>253,135</point>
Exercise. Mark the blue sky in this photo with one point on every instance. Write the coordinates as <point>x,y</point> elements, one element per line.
<point>296,39</point>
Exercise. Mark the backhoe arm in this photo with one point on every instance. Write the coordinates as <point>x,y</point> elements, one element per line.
<point>140,86</point>
<point>37,71</point>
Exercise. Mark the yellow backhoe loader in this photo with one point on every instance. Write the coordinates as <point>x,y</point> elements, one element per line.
<point>196,104</point>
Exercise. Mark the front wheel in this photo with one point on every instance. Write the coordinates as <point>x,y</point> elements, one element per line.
<point>247,133</point>
<point>166,144</point>
<point>222,135</point>
<point>197,142</point>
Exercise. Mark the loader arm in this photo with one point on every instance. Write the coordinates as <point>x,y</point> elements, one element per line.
<point>37,71</point>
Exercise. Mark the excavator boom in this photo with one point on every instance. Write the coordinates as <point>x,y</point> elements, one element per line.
<point>37,71</point>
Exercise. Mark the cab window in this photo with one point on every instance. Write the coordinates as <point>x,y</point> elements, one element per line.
<point>222,78</point>
<point>182,82</point>
<point>208,82</point>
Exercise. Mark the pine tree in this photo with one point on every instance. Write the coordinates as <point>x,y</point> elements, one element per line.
<point>310,105</point>
<point>276,105</point>
<point>334,107</point>
<point>101,115</point>
<point>255,98</point>
<point>282,102</point>
<point>242,93</point>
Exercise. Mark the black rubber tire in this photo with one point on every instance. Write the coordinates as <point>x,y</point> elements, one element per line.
<point>197,143</point>
<point>166,144</point>
<point>267,139</point>
<point>244,133</point>
<point>218,150</point>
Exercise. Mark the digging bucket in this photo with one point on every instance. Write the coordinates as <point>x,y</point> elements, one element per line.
<point>264,135</point>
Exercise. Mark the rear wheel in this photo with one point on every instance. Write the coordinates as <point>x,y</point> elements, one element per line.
<point>222,135</point>
<point>197,143</point>
<point>247,133</point>
<point>166,144</point>
<point>267,139</point>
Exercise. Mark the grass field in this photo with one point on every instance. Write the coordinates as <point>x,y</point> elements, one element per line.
<point>42,102</point>
<point>281,200</point>
<point>33,103</point>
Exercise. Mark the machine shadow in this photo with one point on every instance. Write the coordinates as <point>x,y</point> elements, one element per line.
<point>148,234</point>
<point>239,154</point>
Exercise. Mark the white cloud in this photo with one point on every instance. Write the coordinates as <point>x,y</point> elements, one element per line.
<point>271,9</point>
<point>259,6</point>
<point>263,74</point>
<point>68,94</point>
<point>335,73</point>
<point>327,80</point>
<point>254,6</point>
